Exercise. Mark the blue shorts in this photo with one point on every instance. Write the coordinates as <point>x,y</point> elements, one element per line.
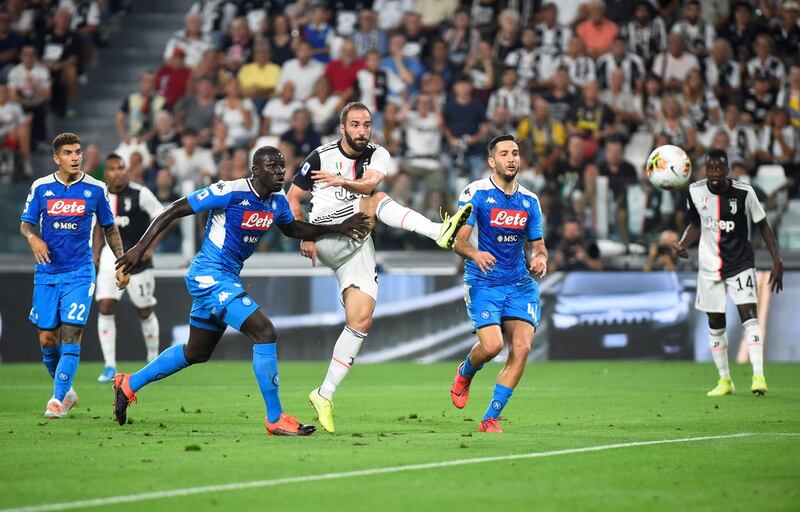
<point>219,300</point>
<point>492,305</point>
<point>61,303</point>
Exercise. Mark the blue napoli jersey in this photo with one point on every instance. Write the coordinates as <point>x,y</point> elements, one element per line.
<point>236,222</point>
<point>65,215</point>
<point>501,224</point>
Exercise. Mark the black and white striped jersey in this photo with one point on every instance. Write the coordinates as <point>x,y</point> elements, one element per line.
<point>646,41</point>
<point>726,74</point>
<point>631,64</point>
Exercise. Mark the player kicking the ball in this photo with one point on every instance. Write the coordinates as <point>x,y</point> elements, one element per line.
<point>721,211</point>
<point>504,230</point>
<point>240,213</point>
<point>63,206</point>
<point>341,178</point>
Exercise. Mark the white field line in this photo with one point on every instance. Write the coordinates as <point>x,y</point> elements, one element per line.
<point>255,484</point>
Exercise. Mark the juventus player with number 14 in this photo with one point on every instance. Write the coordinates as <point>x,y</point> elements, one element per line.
<point>721,210</point>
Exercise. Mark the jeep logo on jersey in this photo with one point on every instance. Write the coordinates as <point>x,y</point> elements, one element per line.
<point>511,219</point>
<point>66,207</point>
<point>260,221</point>
<point>721,225</point>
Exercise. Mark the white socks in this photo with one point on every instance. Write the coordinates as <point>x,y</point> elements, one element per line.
<point>344,354</point>
<point>719,351</point>
<point>151,335</point>
<point>396,216</point>
<point>755,345</point>
<point>107,332</point>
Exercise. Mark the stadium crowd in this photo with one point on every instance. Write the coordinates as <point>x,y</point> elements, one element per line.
<point>588,88</point>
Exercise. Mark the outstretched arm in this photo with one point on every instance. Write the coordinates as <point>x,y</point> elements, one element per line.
<point>463,248</point>
<point>355,227</point>
<point>365,185</point>
<point>133,257</point>
<point>776,274</point>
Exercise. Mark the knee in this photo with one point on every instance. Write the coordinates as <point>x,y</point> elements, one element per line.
<point>361,324</point>
<point>107,307</point>
<point>378,197</point>
<point>493,346</point>
<point>196,356</point>
<point>521,349</point>
<point>747,312</point>
<point>144,313</point>
<point>47,339</point>
<point>716,320</point>
<point>265,333</point>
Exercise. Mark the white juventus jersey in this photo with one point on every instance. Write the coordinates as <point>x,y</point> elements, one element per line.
<point>724,221</point>
<point>328,204</point>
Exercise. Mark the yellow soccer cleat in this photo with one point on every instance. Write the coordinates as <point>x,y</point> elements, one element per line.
<point>324,408</point>
<point>451,225</point>
<point>759,386</point>
<point>724,387</point>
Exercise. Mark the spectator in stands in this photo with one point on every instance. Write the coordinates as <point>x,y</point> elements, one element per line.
<point>646,33</point>
<point>786,34</point>
<point>480,69</point>
<point>319,34</point>
<point>500,123</point>
<point>741,32</point>
<point>236,119</point>
<point>258,79</point>
<point>136,167</point>
<point>436,13</point>
<point>164,142</point>
<point>15,128</point>
<point>277,113</point>
<point>673,66</point>
<point>619,58</point>
<point>553,37</point>
<point>651,107</point>
<point>562,96</point>
<point>324,106</point>
<point>697,33</point>
<point>742,135</point>
<point>191,40</point>
<point>407,69</point>
<point>391,133</point>
<point>10,46</point>
<point>391,12</point>
<point>165,188</point>
<point>758,100</point>
<point>375,86</point>
<point>239,167</point>
<point>510,95</point>
<point>722,73</point>
<point>620,172</point>
<point>281,39</point>
<point>507,38</point>
<point>565,184</point>
<point>191,166</point>
<point>597,32</point>
<point>60,49</point>
<point>661,256</point>
<point>136,114</point>
<point>172,78</point>
<point>545,135</point>
<point>778,144</point>
<point>678,129</point>
<point>302,71</point>
<point>22,17</point>
<point>369,37</point>
<point>303,138</point>
<point>195,112</point>
<point>440,64</point>
<point>29,85</point>
<point>422,125</point>
<point>591,119</point>
<point>789,96</point>
<point>699,102</point>
<point>238,46</point>
<point>580,68</point>
<point>765,64</point>
<point>416,41</point>
<point>529,61</point>
<point>341,72</point>
<point>722,141</point>
<point>626,106</point>
<point>461,38</point>
<point>575,251</point>
<point>465,128</point>
<point>211,66</point>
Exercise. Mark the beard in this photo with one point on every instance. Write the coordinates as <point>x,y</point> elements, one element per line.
<point>357,145</point>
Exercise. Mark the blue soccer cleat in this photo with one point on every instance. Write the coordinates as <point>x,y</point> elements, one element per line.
<point>107,375</point>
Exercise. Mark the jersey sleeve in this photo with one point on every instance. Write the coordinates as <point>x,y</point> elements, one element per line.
<point>30,213</point>
<point>754,208</point>
<point>283,212</point>
<point>534,230</point>
<point>691,210</point>
<point>302,177</point>
<point>466,197</point>
<point>214,196</point>
<point>105,217</point>
<point>380,161</point>
<point>149,203</point>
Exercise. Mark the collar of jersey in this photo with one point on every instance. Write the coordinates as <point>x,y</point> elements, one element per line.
<point>55,177</point>
<point>253,190</point>
<point>344,153</point>
<point>516,188</point>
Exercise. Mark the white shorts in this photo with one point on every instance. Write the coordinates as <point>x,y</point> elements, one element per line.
<point>711,293</point>
<point>353,263</point>
<point>141,288</point>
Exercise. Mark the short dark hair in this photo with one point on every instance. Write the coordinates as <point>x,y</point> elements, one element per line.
<point>717,154</point>
<point>265,152</point>
<point>189,132</point>
<point>115,156</point>
<point>63,139</point>
<point>500,138</point>
<point>353,105</point>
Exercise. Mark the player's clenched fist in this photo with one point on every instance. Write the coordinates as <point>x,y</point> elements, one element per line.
<point>308,249</point>
<point>485,261</point>
<point>538,265</point>
<point>680,250</point>
<point>40,250</point>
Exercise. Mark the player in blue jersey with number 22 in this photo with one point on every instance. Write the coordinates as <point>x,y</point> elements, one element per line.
<point>503,233</point>
<point>240,213</point>
<point>62,206</point>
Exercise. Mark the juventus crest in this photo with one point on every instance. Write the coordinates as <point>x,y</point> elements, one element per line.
<point>732,202</point>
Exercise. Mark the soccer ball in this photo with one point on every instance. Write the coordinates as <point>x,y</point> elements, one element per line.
<point>668,167</point>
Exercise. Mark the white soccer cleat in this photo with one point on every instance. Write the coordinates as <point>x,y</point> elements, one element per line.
<point>55,410</point>
<point>70,400</point>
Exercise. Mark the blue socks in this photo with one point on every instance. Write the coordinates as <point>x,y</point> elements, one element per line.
<point>50,357</point>
<point>66,369</point>
<point>468,370</point>
<point>167,363</point>
<point>499,400</point>
<point>265,366</point>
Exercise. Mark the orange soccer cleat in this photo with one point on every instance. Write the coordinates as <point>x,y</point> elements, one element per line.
<point>491,425</point>
<point>288,426</point>
<point>123,396</point>
<point>459,391</point>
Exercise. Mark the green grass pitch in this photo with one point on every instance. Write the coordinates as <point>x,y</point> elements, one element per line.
<point>204,427</point>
